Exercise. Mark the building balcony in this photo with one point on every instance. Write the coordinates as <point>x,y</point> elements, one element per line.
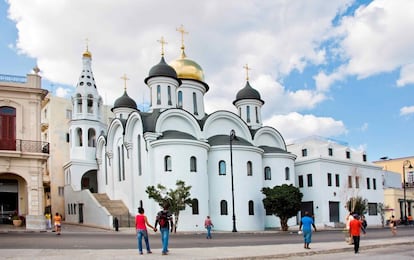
<point>24,146</point>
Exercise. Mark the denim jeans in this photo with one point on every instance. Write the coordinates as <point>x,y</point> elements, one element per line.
<point>143,233</point>
<point>208,231</point>
<point>165,234</point>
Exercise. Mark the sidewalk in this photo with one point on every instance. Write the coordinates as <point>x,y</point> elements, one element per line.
<point>279,251</point>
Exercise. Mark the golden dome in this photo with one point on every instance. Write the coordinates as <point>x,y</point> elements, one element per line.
<point>87,54</point>
<point>187,69</point>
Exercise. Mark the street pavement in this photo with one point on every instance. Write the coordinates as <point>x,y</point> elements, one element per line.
<point>324,250</point>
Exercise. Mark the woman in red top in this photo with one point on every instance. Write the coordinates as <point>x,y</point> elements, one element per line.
<point>141,223</point>
<point>355,227</point>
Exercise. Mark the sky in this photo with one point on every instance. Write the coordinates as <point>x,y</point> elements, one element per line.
<point>338,69</point>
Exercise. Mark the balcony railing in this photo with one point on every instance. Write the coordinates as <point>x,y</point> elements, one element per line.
<point>13,78</point>
<point>24,146</point>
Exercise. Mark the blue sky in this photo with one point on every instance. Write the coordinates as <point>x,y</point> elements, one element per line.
<point>340,69</point>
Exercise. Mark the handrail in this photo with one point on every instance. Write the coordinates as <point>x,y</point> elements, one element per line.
<point>25,146</point>
<point>13,78</point>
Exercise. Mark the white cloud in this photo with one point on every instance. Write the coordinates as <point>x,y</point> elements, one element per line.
<point>378,38</point>
<point>62,92</point>
<point>406,75</point>
<point>407,110</point>
<point>294,126</point>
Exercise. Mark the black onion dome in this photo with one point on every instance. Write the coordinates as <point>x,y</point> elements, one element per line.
<point>161,69</point>
<point>248,93</point>
<point>125,101</point>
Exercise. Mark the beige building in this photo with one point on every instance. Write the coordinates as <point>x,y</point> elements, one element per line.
<point>23,155</point>
<point>394,198</point>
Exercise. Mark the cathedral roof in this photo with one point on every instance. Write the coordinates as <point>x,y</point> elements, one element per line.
<point>161,69</point>
<point>248,93</point>
<point>225,140</point>
<point>269,149</point>
<point>125,101</point>
<point>171,134</point>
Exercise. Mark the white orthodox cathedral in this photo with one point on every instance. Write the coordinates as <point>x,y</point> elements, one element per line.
<point>174,140</point>
<point>226,158</point>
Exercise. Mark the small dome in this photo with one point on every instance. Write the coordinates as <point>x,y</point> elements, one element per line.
<point>161,69</point>
<point>125,101</point>
<point>187,69</point>
<point>87,54</point>
<point>248,93</point>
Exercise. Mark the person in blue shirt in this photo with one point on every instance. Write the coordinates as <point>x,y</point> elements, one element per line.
<point>306,225</point>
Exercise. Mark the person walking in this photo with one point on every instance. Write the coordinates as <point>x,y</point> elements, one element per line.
<point>307,224</point>
<point>393,225</point>
<point>208,225</point>
<point>164,219</point>
<point>355,227</point>
<point>141,223</point>
<point>48,220</point>
<point>58,223</point>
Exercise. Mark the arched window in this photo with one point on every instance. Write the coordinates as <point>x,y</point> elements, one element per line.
<point>91,137</point>
<point>139,155</point>
<point>79,103</point>
<point>267,173</point>
<point>193,164</point>
<point>249,168</point>
<point>194,206</point>
<point>7,128</point>
<point>257,114</point>
<point>195,103</point>
<point>248,114</point>
<point>287,173</point>
<point>180,99</point>
<point>223,207</point>
<point>222,167</point>
<point>167,163</point>
<point>251,207</point>
<point>78,137</point>
<point>90,104</point>
<point>169,95</point>
<point>158,95</point>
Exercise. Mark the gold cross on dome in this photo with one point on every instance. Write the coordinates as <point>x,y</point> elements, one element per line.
<point>125,78</point>
<point>87,44</point>
<point>182,31</point>
<point>163,42</point>
<point>247,71</point>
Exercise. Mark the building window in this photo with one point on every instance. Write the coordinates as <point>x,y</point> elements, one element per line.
<point>222,167</point>
<point>8,128</point>
<point>337,184</point>
<point>139,155</point>
<point>349,181</point>
<point>193,164</point>
<point>91,137</point>
<point>251,207</point>
<point>248,114</point>
<point>357,182</point>
<point>287,173</point>
<point>267,173</point>
<point>330,151</point>
<point>194,206</point>
<point>61,191</point>
<point>158,95</point>
<point>374,183</point>
<point>90,104</point>
<point>79,103</point>
<point>364,157</point>
<point>257,114</point>
<point>300,180</point>
<point>372,209</point>
<point>348,155</point>
<point>249,168</point>
<point>167,163</point>
<point>309,177</point>
<point>223,207</point>
<point>169,95</point>
<point>329,179</point>
<point>68,114</point>
<point>180,99</point>
<point>304,152</point>
<point>368,184</point>
<point>195,104</point>
<point>78,137</point>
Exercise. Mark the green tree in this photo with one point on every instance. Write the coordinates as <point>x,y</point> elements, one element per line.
<point>357,205</point>
<point>177,199</point>
<point>282,201</point>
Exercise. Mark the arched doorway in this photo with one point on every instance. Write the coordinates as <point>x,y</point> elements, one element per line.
<point>13,197</point>
<point>89,181</point>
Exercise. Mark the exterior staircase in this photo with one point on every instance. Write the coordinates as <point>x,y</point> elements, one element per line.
<point>117,209</point>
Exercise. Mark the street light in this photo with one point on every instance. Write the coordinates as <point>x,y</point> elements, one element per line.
<point>406,164</point>
<point>232,137</point>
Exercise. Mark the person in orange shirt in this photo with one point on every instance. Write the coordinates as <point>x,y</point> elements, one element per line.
<point>58,223</point>
<point>355,227</point>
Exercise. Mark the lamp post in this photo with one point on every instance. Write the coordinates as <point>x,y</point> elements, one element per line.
<point>406,164</point>
<point>232,137</point>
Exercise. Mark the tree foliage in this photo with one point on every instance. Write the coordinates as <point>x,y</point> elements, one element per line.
<point>282,201</point>
<point>357,205</point>
<point>177,199</point>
